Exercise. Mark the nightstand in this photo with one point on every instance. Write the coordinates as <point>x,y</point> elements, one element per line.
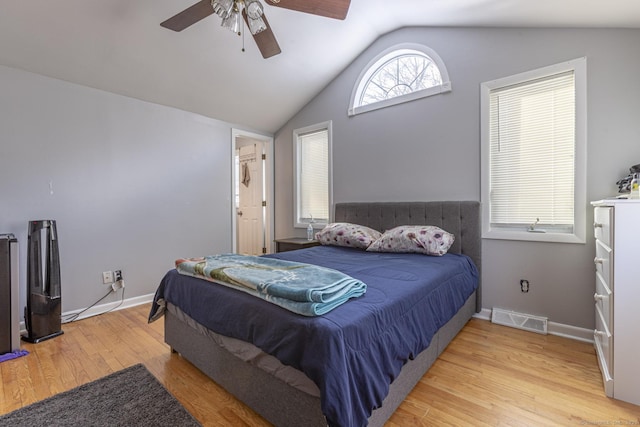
<point>293,243</point>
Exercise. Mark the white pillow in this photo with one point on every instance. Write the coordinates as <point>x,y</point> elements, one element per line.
<point>424,239</point>
<point>347,234</point>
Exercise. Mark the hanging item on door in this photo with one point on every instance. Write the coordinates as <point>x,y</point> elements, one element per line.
<point>246,177</point>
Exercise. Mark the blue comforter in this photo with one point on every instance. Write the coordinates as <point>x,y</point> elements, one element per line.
<point>355,351</point>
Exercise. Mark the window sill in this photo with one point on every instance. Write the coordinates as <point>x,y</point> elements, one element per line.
<point>316,225</point>
<point>533,237</point>
<point>435,90</point>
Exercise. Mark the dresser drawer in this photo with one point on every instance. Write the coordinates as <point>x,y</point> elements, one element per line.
<point>603,262</point>
<point>603,342</point>
<point>604,301</point>
<point>602,219</point>
<point>607,379</point>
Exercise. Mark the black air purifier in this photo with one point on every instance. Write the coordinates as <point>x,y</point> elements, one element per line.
<point>9,295</point>
<point>44,299</point>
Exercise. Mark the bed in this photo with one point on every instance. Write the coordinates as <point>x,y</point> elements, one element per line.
<point>266,374</point>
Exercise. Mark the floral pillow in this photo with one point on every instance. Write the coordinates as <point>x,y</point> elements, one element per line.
<point>424,239</point>
<point>346,234</point>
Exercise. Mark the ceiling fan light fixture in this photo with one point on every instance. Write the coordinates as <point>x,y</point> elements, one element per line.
<point>232,21</point>
<point>256,25</point>
<point>223,8</point>
<point>254,9</point>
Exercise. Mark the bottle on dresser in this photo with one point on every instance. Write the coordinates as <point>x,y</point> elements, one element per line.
<point>635,187</point>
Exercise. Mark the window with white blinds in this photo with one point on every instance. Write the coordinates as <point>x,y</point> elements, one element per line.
<point>312,180</point>
<point>532,144</point>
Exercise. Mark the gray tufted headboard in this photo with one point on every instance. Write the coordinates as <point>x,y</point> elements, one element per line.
<point>461,218</point>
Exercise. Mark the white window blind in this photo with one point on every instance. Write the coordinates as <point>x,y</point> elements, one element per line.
<point>532,153</point>
<point>313,170</point>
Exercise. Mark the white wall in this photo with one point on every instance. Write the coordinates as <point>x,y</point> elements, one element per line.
<point>429,149</point>
<point>134,185</point>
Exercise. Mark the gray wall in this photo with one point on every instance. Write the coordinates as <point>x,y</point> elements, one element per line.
<point>134,185</point>
<point>430,149</point>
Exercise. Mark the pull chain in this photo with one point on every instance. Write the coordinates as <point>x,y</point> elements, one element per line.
<point>243,35</point>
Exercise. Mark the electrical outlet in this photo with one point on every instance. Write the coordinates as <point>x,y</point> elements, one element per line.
<point>524,286</point>
<point>117,285</point>
<point>107,277</point>
<point>117,275</point>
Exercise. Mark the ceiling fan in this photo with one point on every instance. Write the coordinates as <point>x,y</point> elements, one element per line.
<point>252,12</point>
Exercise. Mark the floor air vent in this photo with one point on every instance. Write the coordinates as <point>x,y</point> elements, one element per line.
<point>524,321</point>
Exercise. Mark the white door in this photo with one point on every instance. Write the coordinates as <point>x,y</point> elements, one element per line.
<point>250,212</point>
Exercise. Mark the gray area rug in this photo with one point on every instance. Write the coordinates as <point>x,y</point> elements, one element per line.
<point>131,397</point>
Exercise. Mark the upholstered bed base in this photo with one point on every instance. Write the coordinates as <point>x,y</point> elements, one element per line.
<point>280,403</point>
<point>287,406</point>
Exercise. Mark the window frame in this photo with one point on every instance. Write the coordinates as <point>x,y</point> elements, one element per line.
<point>298,222</point>
<point>372,67</point>
<point>578,235</point>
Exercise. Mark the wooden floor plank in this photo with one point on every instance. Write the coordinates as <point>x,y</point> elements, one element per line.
<point>490,375</point>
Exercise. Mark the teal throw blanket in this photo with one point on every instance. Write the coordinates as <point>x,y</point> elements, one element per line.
<point>305,289</point>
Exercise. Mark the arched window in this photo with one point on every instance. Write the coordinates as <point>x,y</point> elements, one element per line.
<point>400,74</point>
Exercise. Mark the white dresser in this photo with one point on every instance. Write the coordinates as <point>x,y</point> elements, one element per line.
<point>617,296</point>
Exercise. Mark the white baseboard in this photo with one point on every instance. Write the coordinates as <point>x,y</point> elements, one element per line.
<point>553,328</point>
<point>103,308</point>
<point>111,306</point>
<point>568,331</point>
<point>484,314</point>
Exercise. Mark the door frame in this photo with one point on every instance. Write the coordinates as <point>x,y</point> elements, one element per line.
<point>269,222</point>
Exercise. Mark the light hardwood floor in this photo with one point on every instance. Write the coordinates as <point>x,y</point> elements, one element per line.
<point>489,375</point>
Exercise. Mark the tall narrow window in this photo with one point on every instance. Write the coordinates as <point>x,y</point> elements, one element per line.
<point>533,155</point>
<point>312,154</point>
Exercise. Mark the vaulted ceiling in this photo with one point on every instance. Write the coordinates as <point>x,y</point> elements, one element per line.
<point>119,46</point>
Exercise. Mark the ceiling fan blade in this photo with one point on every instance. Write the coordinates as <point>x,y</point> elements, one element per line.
<point>265,40</point>
<point>336,9</point>
<point>189,16</point>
